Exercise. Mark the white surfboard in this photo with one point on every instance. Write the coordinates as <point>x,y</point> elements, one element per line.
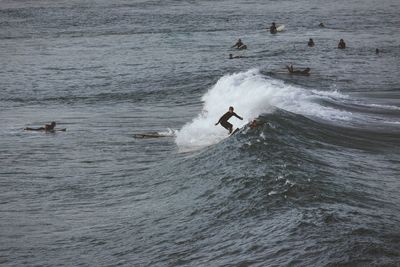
<point>235,131</point>
<point>280,28</point>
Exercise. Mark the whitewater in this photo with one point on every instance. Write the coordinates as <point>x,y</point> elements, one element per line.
<point>252,94</point>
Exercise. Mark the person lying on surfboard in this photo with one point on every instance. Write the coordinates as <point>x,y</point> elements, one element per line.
<point>224,119</point>
<point>306,71</point>
<point>47,128</point>
<point>239,45</point>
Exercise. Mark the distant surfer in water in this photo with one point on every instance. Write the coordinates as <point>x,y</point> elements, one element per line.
<point>239,45</point>
<point>273,29</point>
<point>341,44</point>
<point>311,42</point>
<point>47,127</point>
<point>306,71</point>
<point>224,119</point>
<point>254,124</point>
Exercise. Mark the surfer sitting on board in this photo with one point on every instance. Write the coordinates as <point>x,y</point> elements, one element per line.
<point>306,71</point>
<point>341,44</point>
<point>239,45</point>
<point>47,127</point>
<point>273,29</point>
<point>224,119</point>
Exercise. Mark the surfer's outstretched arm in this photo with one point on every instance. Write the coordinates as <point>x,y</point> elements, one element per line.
<point>237,116</point>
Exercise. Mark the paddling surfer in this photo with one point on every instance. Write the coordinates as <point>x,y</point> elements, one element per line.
<point>47,128</point>
<point>224,119</point>
<point>306,71</point>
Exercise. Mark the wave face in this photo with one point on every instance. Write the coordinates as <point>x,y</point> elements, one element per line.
<point>308,171</point>
<point>252,94</point>
<point>303,192</point>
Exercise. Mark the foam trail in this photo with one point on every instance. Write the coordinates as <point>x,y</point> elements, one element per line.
<point>251,94</point>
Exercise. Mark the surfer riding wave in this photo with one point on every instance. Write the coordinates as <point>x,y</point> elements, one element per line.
<point>224,119</point>
<point>253,94</point>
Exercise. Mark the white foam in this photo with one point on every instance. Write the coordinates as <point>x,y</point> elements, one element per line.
<point>392,122</point>
<point>251,94</point>
<point>168,132</point>
<point>384,106</point>
<point>335,94</point>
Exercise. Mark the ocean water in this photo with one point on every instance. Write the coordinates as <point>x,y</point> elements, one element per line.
<point>316,184</point>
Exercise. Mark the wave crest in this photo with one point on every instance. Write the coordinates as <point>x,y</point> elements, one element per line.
<point>251,94</point>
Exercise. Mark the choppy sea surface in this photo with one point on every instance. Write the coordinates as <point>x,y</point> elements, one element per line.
<point>316,184</point>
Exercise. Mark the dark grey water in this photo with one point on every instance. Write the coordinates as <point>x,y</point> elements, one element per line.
<point>317,184</point>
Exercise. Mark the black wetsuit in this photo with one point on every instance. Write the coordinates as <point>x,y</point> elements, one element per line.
<point>342,45</point>
<point>47,127</point>
<point>224,120</point>
<point>240,45</point>
<point>273,29</point>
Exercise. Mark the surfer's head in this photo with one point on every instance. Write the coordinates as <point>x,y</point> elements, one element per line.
<point>53,123</point>
<point>230,109</point>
